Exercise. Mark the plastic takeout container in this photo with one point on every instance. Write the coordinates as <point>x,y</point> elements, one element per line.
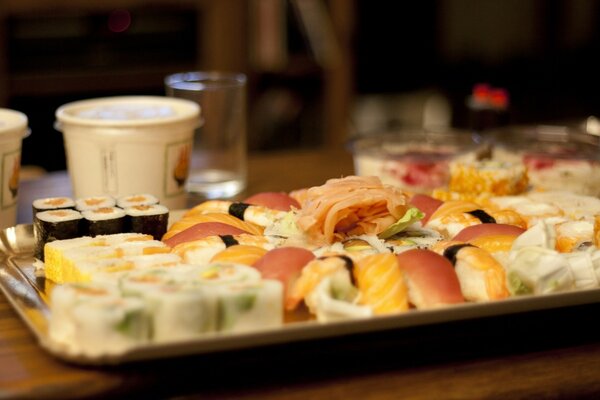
<point>556,157</point>
<point>416,160</point>
<point>129,144</point>
<point>13,128</point>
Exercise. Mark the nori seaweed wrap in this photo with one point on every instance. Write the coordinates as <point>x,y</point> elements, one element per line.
<point>55,225</point>
<point>103,221</point>
<point>148,219</point>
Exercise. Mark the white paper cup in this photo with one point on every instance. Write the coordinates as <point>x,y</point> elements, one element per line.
<point>13,128</point>
<point>129,144</point>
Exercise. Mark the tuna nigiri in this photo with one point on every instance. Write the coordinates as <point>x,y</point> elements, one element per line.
<point>284,264</point>
<point>191,220</point>
<point>431,279</point>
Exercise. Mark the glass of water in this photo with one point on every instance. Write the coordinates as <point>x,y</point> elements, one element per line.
<point>219,158</point>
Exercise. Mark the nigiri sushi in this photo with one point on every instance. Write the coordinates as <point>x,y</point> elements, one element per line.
<point>431,279</point>
<point>381,283</point>
<point>202,250</point>
<point>259,215</point>
<point>481,276</point>
<point>240,254</point>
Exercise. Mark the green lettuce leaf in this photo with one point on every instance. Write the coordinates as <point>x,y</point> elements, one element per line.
<point>411,216</point>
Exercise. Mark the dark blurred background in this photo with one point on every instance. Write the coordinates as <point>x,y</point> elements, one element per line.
<point>319,70</point>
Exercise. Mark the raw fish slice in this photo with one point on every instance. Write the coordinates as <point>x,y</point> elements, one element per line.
<point>274,200</point>
<point>192,220</point>
<point>381,283</point>
<point>454,216</point>
<point>432,281</point>
<point>475,231</point>
<point>427,204</point>
<point>284,264</point>
<point>508,217</point>
<point>240,254</point>
<point>201,251</point>
<point>494,243</point>
<point>258,215</point>
<point>202,230</point>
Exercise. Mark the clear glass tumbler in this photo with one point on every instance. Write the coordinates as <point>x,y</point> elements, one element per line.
<point>219,159</point>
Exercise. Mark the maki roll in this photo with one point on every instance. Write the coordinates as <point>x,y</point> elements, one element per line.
<point>485,176</point>
<point>136,200</point>
<point>94,319</point>
<point>52,203</point>
<point>90,203</point>
<point>55,225</point>
<point>103,221</point>
<point>151,219</point>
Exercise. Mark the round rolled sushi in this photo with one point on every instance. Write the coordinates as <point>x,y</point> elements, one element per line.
<point>150,219</point>
<point>90,203</point>
<point>52,203</point>
<point>103,221</point>
<point>485,176</point>
<point>55,225</point>
<point>136,200</point>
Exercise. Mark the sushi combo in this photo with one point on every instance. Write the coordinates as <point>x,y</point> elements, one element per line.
<point>351,248</point>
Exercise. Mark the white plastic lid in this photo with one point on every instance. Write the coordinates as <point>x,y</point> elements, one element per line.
<point>13,123</point>
<point>127,112</point>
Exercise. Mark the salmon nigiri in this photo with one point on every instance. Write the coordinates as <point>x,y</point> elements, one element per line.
<point>203,250</point>
<point>240,254</point>
<point>381,283</point>
<point>258,215</point>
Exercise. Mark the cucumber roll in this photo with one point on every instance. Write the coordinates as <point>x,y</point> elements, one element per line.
<point>95,319</point>
<point>178,311</point>
<point>55,225</point>
<point>52,203</point>
<point>90,203</point>
<point>136,200</point>
<point>247,307</point>
<point>151,219</point>
<point>103,221</point>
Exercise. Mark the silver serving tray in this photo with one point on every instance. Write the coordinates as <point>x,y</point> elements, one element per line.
<point>24,289</point>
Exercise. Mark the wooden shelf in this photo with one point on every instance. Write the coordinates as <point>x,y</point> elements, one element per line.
<point>223,40</point>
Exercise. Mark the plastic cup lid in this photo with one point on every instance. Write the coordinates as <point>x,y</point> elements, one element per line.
<point>12,121</point>
<point>127,111</point>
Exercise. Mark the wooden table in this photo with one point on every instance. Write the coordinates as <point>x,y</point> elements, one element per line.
<point>552,354</point>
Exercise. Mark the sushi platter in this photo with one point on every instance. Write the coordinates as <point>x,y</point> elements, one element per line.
<point>283,267</point>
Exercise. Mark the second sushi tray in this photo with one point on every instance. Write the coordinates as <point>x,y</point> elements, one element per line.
<point>351,256</point>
